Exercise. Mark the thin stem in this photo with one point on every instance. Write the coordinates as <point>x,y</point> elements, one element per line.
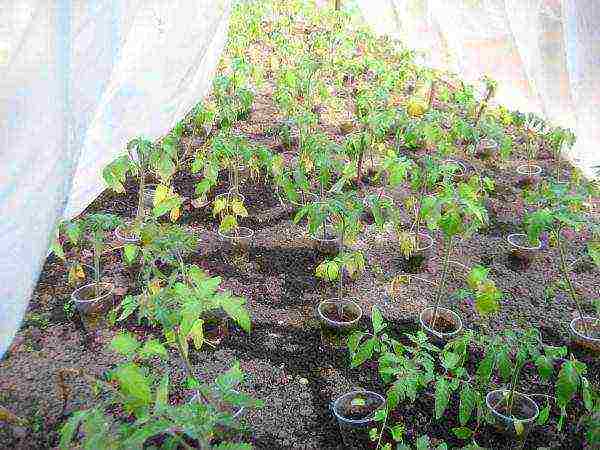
<point>186,446</point>
<point>567,278</point>
<point>382,428</point>
<point>340,250</point>
<point>359,166</point>
<point>483,105</point>
<point>140,207</point>
<point>97,252</point>
<point>190,373</point>
<point>513,386</point>
<point>438,296</point>
<point>431,93</point>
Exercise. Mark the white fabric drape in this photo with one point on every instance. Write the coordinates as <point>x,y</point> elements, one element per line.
<point>544,53</point>
<point>77,81</point>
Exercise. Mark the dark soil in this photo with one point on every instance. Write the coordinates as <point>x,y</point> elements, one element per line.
<point>521,410</point>
<point>413,264</point>
<point>359,407</point>
<point>518,261</point>
<point>443,325</point>
<point>332,312</point>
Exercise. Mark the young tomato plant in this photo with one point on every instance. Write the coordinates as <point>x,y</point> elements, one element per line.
<point>486,296</point>
<point>511,353</point>
<point>560,213</point>
<point>88,232</point>
<point>456,211</point>
<point>353,263</point>
<point>228,208</point>
<point>412,370</point>
<point>342,212</point>
<point>143,159</point>
<point>141,388</point>
<point>160,251</point>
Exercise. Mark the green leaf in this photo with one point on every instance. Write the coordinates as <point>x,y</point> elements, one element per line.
<point>450,360</point>
<point>504,364</point>
<point>477,276</point>
<point>593,249</point>
<point>228,223</point>
<point>442,397</point>
<point>125,343</point>
<point>451,224</point>
<point>544,366</point>
<point>145,432</point>
<point>67,432</point>
<point>130,252</point>
<point>354,340</point>
<point>232,446</point>
<point>485,368</point>
<point>397,432</point>
<point>153,347</point>
<point>197,333</point>
<point>134,385</point>
<point>162,393</point>
<point>74,232</point>
<point>543,416</point>
<point>128,305</point>
<point>379,415</point>
<point>423,443</point>
<point>468,403</point>
<point>567,384</point>
<point>234,307</point>
<point>364,352</point>
<point>462,432</point>
<point>165,167</point>
<point>377,320</point>
<point>57,249</point>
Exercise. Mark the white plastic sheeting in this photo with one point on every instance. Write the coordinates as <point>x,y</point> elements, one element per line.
<point>78,80</point>
<point>544,53</point>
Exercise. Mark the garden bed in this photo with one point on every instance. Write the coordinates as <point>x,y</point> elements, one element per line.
<point>289,363</point>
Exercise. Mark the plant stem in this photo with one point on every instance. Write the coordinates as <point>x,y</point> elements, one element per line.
<point>513,386</point>
<point>382,427</point>
<point>438,296</point>
<point>567,278</point>
<point>97,252</point>
<point>431,94</point>
<point>359,167</point>
<point>190,373</point>
<point>483,105</point>
<point>140,208</point>
<point>340,250</point>
<point>236,177</point>
<point>417,223</point>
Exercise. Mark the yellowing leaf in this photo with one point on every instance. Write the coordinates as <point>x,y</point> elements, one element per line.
<point>332,271</point>
<point>416,108</point>
<point>238,208</point>
<point>219,205</point>
<point>76,274</point>
<point>154,286</point>
<point>161,194</point>
<point>519,428</point>
<point>175,214</point>
<point>197,333</point>
<point>228,223</point>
